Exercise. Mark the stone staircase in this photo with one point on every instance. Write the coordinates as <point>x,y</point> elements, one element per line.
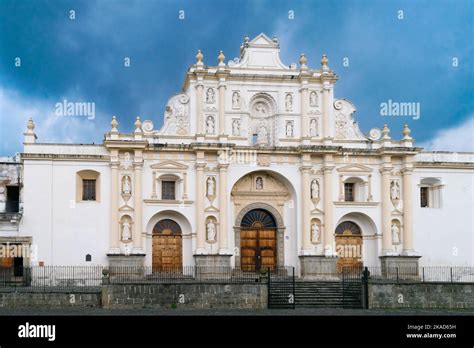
<point>316,294</point>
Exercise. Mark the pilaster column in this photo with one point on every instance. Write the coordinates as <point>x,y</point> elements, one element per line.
<point>386,207</point>
<point>407,213</point>
<point>153,192</point>
<point>114,197</point>
<point>326,119</point>
<point>306,201</point>
<point>304,110</point>
<point>199,202</point>
<point>369,188</point>
<point>223,232</point>
<point>221,88</point>
<point>137,193</point>
<point>328,239</point>
<point>199,90</point>
<point>185,185</point>
<point>341,188</point>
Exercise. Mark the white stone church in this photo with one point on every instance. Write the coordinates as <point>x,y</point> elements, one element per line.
<point>258,164</point>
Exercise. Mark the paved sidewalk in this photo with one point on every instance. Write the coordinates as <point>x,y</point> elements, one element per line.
<point>229,312</point>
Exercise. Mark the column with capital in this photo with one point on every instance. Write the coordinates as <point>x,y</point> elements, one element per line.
<point>223,232</point>
<point>407,213</point>
<point>199,202</point>
<point>199,119</point>
<point>114,197</point>
<point>222,88</point>
<point>304,110</point>
<point>305,216</point>
<point>137,193</point>
<point>326,119</point>
<point>386,207</point>
<point>328,239</point>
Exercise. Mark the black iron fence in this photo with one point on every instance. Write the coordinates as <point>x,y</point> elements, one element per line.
<point>84,278</point>
<point>431,274</point>
<point>191,274</point>
<point>51,278</point>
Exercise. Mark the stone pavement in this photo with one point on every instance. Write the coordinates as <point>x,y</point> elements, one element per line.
<point>229,312</point>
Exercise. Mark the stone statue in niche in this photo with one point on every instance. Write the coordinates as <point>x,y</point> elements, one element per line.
<point>126,186</point>
<point>211,187</point>
<point>313,99</point>
<point>289,102</point>
<point>236,127</point>
<point>126,231</point>
<point>315,232</point>
<point>313,127</point>
<point>395,234</point>
<point>395,191</point>
<point>210,125</point>
<point>235,100</point>
<point>211,231</point>
<point>314,189</point>
<point>289,128</point>
<point>210,96</point>
<point>262,135</point>
<point>259,183</point>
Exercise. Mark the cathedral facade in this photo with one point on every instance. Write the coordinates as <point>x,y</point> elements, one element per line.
<point>257,164</point>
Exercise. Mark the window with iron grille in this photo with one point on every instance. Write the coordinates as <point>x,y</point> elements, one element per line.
<point>349,192</point>
<point>168,190</point>
<point>88,190</point>
<point>424,197</point>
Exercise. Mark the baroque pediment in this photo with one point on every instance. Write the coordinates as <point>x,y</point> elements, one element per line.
<point>169,164</point>
<point>346,127</point>
<point>355,168</point>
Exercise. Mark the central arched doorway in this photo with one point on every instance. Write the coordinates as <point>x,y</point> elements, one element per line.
<point>167,246</point>
<point>348,246</point>
<point>258,241</point>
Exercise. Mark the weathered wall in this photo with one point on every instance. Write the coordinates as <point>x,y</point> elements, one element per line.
<point>185,296</point>
<point>49,299</point>
<point>421,295</point>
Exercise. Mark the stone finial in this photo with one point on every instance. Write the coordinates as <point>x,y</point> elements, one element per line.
<point>275,39</point>
<point>138,124</point>
<point>30,125</point>
<point>199,58</point>
<point>406,132</point>
<point>246,40</point>
<point>114,123</point>
<point>221,58</point>
<point>385,132</point>
<point>303,61</point>
<point>324,62</point>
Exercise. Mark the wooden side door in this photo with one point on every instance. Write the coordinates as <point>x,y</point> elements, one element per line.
<point>248,250</point>
<point>349,249</point>
<point>167,252</point>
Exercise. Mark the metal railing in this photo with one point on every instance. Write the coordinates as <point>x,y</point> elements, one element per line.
<point>85,278</point>
<point>430,274</point>
<point>189,274</point>
<point>51,278</point>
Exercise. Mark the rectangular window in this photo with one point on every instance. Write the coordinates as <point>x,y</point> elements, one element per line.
<point>168,190</point>
<point>88,190</point>
<point>349,192</point>
<point>13,199</point>
<point>424,197</point>
<point>254,139</point>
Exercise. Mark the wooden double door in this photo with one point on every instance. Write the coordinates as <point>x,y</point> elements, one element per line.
<point>167,247</point>
<point>258,249</point>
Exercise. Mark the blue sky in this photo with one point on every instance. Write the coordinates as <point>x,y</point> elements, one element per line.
<point>406,60</point>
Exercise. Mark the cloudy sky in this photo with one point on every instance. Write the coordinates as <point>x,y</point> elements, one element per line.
<point>404,51</point>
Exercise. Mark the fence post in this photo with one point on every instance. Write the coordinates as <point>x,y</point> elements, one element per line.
<point>423,272</point>
<point>451,270</point>
<point>397,275</point>
<point>294,293</point>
